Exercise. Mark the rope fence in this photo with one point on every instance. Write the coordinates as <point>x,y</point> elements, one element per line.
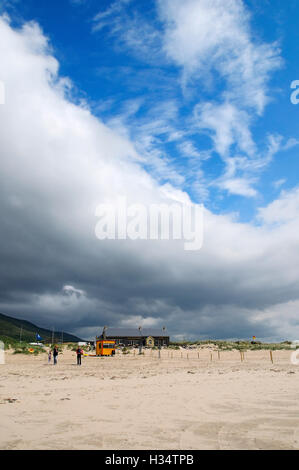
<point>201,355</point>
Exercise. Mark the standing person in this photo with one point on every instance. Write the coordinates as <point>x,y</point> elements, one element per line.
<point>49,356</point>
<point>79,353</point>
<point>55,354</point>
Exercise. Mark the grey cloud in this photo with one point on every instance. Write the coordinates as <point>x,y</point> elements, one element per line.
<point>57,163</point>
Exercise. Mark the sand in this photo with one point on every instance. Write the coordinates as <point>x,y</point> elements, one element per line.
<point>143,402</point>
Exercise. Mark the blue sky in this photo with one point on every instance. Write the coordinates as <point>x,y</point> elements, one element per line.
<point>113,53</point>
<point>157,101</point>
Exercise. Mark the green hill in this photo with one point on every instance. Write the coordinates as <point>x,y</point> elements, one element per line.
<point>13,328</point>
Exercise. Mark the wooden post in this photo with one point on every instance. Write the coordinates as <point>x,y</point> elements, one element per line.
<point>159,354</point>
<point>211,355</point>
<point>241,356</point>
<point>198,355</point>
<point>219,355</point>
<point>187,355</point>
<point>171,355</point>
<point>181,355</point>
<point>271,356</point>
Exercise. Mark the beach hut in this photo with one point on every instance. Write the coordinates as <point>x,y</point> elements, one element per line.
<point>105,347</point>
<point>149,337</point>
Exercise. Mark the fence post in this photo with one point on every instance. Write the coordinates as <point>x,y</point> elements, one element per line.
<point>2,353</point>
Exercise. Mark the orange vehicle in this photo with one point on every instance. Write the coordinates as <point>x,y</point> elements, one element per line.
<point>105,347</point>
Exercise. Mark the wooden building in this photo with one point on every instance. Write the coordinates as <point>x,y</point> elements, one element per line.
<point>149,337</point>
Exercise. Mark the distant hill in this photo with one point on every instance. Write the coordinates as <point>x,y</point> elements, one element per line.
<point>11,327</point>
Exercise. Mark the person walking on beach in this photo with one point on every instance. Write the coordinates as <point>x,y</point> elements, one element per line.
<point>79,353</point>
<point>55,354</point>
<point>49,356</point>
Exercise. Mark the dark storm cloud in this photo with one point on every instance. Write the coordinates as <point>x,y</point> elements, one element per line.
<point>57,163</point>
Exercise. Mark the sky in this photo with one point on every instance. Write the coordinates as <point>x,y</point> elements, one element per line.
<point>156,101</point>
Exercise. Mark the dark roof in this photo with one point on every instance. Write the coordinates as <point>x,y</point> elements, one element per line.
<point>135,332</point>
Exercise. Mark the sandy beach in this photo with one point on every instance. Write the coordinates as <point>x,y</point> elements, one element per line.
<point>143,402</point>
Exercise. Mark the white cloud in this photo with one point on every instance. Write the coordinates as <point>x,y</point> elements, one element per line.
<point>239,186</point>
<point>129,29</point>
<point>285,209</point>
<point>279,183</point>
<point>71,291</point>
<point>188,149</point>
<point>105,17</point>
<point>229,130</point>
<point>202,35</point>
<point>212,42</point>
<point>228,125</point>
